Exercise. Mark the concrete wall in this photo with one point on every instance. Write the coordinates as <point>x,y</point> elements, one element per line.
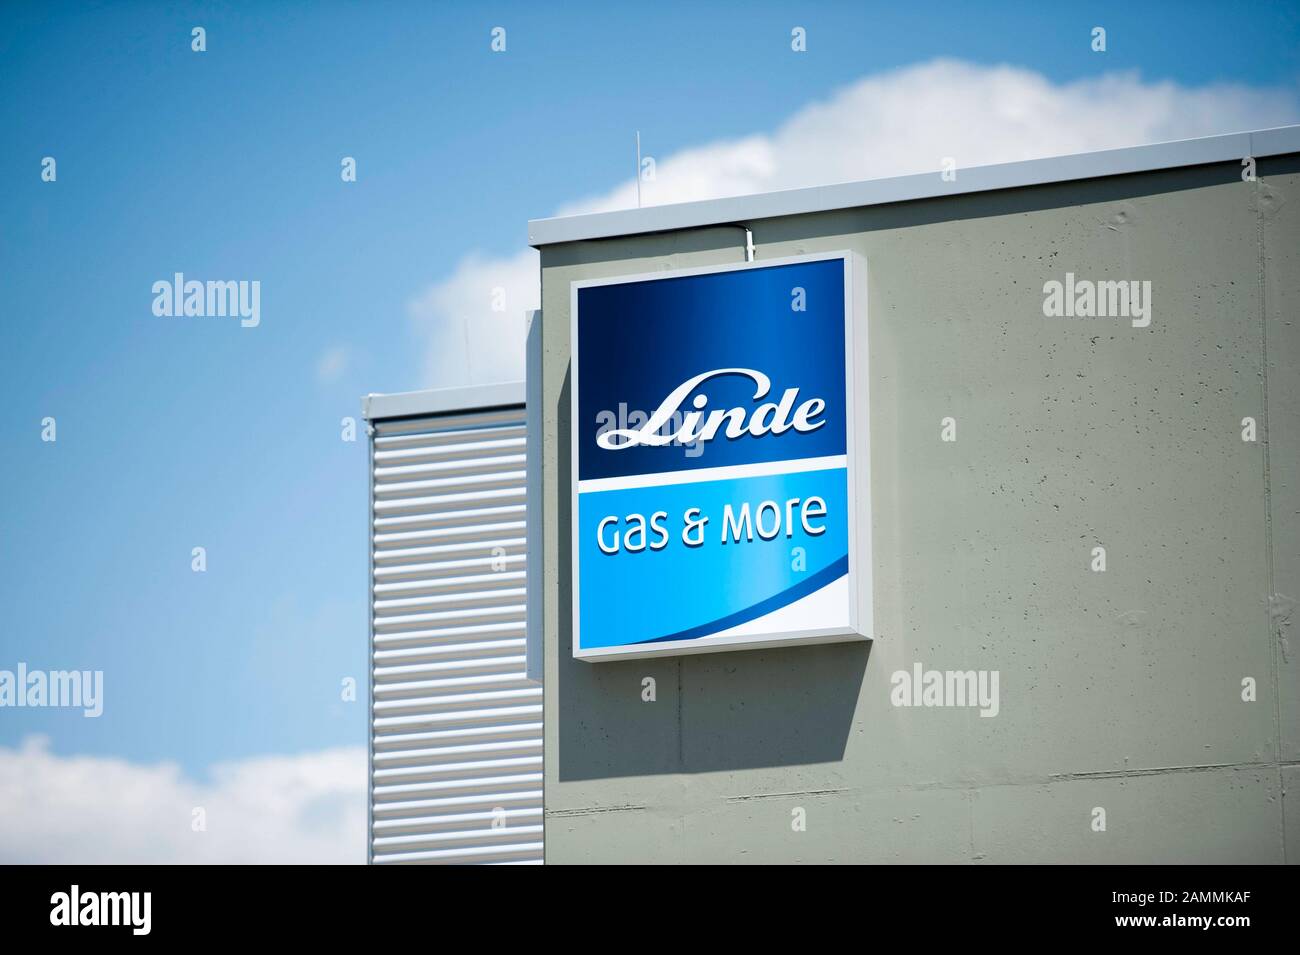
<point>1121,689</point>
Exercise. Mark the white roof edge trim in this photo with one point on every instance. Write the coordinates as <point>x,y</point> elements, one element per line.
<point>848,195</point>
<point>442,400</point>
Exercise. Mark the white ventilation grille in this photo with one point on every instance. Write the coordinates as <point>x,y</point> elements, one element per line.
<point>456,767</point>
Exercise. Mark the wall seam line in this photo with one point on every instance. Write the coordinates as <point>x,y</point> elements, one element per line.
<point>1269,568</point>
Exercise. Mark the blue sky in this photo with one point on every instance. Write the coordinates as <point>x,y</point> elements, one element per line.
<point>225,165</point>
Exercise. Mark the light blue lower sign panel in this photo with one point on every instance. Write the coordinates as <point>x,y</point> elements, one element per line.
<point>710,559</point>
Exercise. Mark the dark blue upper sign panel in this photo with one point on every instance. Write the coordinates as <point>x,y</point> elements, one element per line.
<point>736,367</point>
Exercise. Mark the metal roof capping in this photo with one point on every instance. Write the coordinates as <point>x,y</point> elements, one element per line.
<point>747,209</point>
<point>442,400</point>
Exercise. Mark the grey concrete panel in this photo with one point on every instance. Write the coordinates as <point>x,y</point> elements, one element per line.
<point>1071,434</point>
<point>1291,812</point>
<point>1278,196</point>
<point>1225,816</point>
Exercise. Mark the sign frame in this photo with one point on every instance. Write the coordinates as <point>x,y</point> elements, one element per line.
<point>856,394</point>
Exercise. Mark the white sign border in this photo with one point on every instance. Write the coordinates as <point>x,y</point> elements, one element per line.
<point>855,274</point>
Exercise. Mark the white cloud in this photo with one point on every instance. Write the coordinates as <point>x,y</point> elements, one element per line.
<point>308,808</point>
<point>332,363</point>
<point>474,320</point>
<point>895,123</point>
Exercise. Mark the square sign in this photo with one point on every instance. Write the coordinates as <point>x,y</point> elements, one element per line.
<point>713,453</point>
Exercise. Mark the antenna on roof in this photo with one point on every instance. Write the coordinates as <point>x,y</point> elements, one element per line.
<point>638,169</point>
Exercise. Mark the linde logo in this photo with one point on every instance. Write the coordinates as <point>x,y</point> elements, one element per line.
<point>75,907</point>
<point>772,417</point>
<point>741,496</point>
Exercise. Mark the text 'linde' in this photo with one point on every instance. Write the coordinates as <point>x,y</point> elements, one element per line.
<point>773,417</point>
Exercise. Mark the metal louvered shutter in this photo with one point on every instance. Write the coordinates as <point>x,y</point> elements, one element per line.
<point>456,728</point>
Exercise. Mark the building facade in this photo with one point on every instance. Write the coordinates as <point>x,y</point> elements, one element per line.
<point>1089,506</point>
